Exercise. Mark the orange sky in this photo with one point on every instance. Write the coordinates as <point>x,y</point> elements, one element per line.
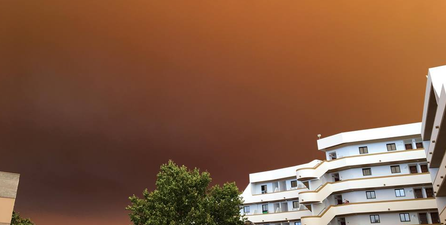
<point>97,94</point>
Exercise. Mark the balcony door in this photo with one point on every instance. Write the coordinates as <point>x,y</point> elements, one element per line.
<point>336,177</point>
<point>418,193</point>
<point>423,218</point>
<point>264,189</point>
<point>413,169</point>
<point>435,218</point>
<point>338,199</point>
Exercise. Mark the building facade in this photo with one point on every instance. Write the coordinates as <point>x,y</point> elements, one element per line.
<point>434,133</point>
<point>9,183</point>
<point>369,176</point>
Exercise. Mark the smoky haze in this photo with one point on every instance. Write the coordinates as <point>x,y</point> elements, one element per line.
<point>96,95</point>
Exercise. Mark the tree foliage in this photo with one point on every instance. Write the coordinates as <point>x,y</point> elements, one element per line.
<point>183,197</point>
<point>17,220</point>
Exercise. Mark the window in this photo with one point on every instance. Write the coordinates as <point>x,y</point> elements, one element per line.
<point>395,169</point>
<point>400,192</point>
<point>423,168</point>
<point>370,194</point>
<point>246,209</point>
<point>295,204</point>
<point>408,146</point>
<point>391,147</point>
<point>422,218</point>
<point>363,150</point>
<point>404,217</point>
<point>374,219</point>
<point>419,145</point>
<point>418,193</point>
<point>264,189</point>
<point>435,217</point>
<point>265,208</point>
<point>367,171</point>
<point>413,169</point>
<point>294,183</point>
<point>297,223</point>
<point>429,192</point>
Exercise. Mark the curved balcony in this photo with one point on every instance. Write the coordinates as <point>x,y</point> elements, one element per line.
<point>360,160</point>
<point>272,196</point>
<point>369,207</point>
<point>329,188</point>
<point>277,217</point>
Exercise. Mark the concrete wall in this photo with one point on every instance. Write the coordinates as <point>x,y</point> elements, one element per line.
<point>372,147</point>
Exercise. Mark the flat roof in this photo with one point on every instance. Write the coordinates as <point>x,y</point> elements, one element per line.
<point>278,174</point>
<point>410,129</point>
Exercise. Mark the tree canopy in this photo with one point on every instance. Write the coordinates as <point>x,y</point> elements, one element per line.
<point>17,220</point>
<point>183,197</point>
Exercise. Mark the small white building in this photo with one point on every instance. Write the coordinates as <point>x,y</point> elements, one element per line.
<point>9,183</point>
<point>369,176</point>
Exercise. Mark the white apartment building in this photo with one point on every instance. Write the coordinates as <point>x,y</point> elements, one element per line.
<point>434,133</point>
<point>373,176</point>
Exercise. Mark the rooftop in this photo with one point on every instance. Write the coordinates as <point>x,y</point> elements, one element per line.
<point>369,135</point>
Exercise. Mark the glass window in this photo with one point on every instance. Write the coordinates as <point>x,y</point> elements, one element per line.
<point>400,192</point>
<point>391,147</point>
<point>424,168</point>
<point>404,217</point>
<point>374,219</point>
<point>435,217</point>
<point>413,169</point>
<point>370,194</point>
<point>246,209</point>
<point>395,169</point>
<point>295,204</point>
<point>419,145</point>
<point>429,192</point>
<point>408,146</point>
<point>367,171</point>
<point>363,150</point>
<point>294,183</point>
<point>297,223</point>
<point>265,208</point>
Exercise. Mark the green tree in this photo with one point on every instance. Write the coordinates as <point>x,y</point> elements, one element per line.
<point>17,220</point>
<point>183,197</point>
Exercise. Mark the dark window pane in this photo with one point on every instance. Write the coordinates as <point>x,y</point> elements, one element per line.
<point>435,217</point>
<point>264,189</point>
<point>413,169</point>
<point>429,192</point>
<point>424,168</point>
<point>418,193</point>
<point>408,146</point>
<point>419,145</point>
<point>293,183</point>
